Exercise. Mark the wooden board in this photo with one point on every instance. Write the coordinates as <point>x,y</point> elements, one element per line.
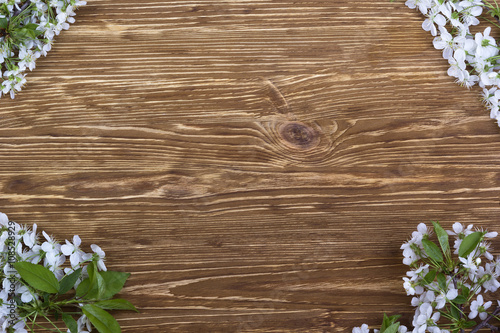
<point>256,165</point>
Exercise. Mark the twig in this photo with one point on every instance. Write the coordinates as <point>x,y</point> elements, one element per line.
<point>23,7</point>
<point>484,323</point>
<point>491,327</point>
<point>460,307</point>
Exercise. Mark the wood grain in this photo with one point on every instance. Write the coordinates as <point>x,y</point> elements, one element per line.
<point>255,164</point>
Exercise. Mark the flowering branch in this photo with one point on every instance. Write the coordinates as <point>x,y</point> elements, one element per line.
<point>27,32</point>
<point>473,57</point>
<point>448,290</point>
<point>485,323</point>
<point>38,283</point>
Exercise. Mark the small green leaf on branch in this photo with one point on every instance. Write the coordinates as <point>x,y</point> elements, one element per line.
<point>392,329</point>
<point>460,299</point>
<point>429,277</point>
<point>116,304</point>
<point>70,323</point>
<point>387,322</point>
<point>113,282</point>
<point>442,281</point>
<point>442,236</point>
<point>68,281</point>
<point>469,243</point>
<point>38,276</point>
<point>101,319</point>
<point>4,23</point>
<point>432,250</point>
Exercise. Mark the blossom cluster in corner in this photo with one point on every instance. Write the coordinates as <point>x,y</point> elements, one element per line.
<point>450,285</point>
<point>27,30</point>
<point>468,279</point>
<point>473,58</point>
<point>19,243</point>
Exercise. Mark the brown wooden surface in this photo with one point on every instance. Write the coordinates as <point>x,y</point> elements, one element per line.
<point>256,165</point>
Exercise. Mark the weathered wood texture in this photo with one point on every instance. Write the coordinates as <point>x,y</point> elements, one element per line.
<point>255,164</point>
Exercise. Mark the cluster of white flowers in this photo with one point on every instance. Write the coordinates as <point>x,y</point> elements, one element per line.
<point>20,243</point>
<point>445,287</point>
<point>432,296</point>
<point>27,33</point>
<point>473,58</point>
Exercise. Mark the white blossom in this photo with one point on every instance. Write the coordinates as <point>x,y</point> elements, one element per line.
<point>425,318</point>
<point>423,5</point>
<point>433,17</point>
<point>479,307</point>
<point>100,254</point>
<point>362,329</point>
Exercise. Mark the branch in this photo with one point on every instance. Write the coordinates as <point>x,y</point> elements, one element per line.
<point>491,327</point>
<point>23,7</point>
<point>484,323</point>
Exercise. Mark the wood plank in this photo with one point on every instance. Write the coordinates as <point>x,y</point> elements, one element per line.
<point>255,164</point>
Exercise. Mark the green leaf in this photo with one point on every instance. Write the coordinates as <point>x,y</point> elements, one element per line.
<point>442,236</point>
<point>101,285</point>
<point>455,313</point>
<point>388,322</point>
<point>392,329</point>
<point>100,288</point>
<point>91,271</point>
<point>385,323</point>
<point>432,250</point>
<point>116,304</point>
<point>91,290</point>
<point>113,282</point>
<point>442,281</point>
<point>470,323</point>
<point>465,291</point>
<point>31,26</point>
<point>469,244</point>
<point>68,281</point>
<point>38,276</point>
<point>70,323</point>
<point>83,288</point>
<point>429,277</point>
<point>393,318</point>
<point>19,35</point>
<point>460,299</point>
<point>31,30</point>
<point>101,319</point>
<point>93,286</point>
<point>46,299</point>
<point>4,23</point>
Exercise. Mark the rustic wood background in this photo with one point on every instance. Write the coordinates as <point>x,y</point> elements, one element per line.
<point>255,164</point>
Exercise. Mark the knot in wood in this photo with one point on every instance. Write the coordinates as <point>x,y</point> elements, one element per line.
<point>299,135</point>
